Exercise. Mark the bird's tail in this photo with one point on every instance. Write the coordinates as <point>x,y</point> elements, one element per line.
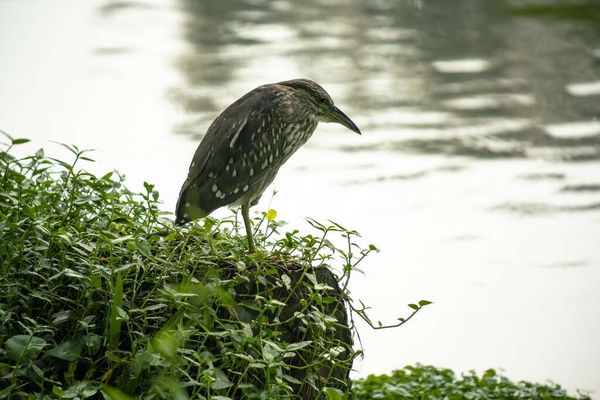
<point>188,207</point>
<point>180,220</point>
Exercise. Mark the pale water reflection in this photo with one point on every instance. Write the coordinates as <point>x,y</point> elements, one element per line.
<point>478,172</point>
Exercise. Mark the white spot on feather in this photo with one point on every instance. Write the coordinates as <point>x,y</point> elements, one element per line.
<point>245,189</point>
<point>237,133</point>
<point>218,194</point>
<point>214,188</point>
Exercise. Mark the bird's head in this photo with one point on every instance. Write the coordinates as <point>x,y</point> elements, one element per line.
<point>320,103</point>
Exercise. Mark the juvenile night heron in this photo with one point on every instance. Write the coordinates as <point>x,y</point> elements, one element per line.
<point>246,145</point>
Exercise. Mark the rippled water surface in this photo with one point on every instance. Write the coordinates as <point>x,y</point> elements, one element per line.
<point>477,174</point>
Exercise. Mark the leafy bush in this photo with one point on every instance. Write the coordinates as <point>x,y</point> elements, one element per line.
<point>100,294</point>
<point>429,383</point>
<point>98,291</point>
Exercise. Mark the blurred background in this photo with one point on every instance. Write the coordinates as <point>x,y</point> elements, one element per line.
<point>478,172</point>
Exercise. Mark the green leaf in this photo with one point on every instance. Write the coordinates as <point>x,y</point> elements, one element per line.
<point>121,239</point>
<point>277,303</point>
<point>92,343</point>
<point>149,187</point>
<point>322,286</point>
<point>291,379</point>
<point>154,307</point>
<point>20,141</point>
<point>106,177</point>
<point>112,356</point>
<point>424,302</point>
<point>333,393</point>
<point>115,322</point>
<point>490,373</point>
<point>287,281</point>
<point>34,369</point>
<point>24,347</point>
<point>79,390</point>
<point>298,345</point>
<point>4,393</point>
<point>414,306</point>
<point>69,350</point>
<point>111,393</point>
<point>221,380</point>
<point>167,342</point>
<point>61,316</point>
<point>269,353</point>
<point>312,278</point>
<point>122,314</point>
<point>58,391</point>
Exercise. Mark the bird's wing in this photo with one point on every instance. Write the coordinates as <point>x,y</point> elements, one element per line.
<point>217,175</point>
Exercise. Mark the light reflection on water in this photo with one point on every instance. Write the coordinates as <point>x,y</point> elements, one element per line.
<point>477,173</point>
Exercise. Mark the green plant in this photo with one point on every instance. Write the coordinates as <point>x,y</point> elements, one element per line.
<point>426,382</point>
<point>100,293</point>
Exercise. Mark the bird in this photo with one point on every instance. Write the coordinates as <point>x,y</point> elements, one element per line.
<point>245,146</point>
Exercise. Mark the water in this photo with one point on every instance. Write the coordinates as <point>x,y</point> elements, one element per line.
<point>477,174</point>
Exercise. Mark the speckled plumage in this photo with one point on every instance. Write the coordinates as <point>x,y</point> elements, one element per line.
<point>249,141</point>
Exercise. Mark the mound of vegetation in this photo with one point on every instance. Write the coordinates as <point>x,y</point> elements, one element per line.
<point>101,294</point>
<point>426,382</point>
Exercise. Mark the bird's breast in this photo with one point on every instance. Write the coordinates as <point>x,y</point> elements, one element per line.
<point>294,135</point>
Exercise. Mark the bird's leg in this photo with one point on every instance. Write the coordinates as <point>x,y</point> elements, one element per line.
<point>246,216</point>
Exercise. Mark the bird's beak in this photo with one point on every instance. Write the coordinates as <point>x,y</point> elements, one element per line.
<point>338,116</point>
